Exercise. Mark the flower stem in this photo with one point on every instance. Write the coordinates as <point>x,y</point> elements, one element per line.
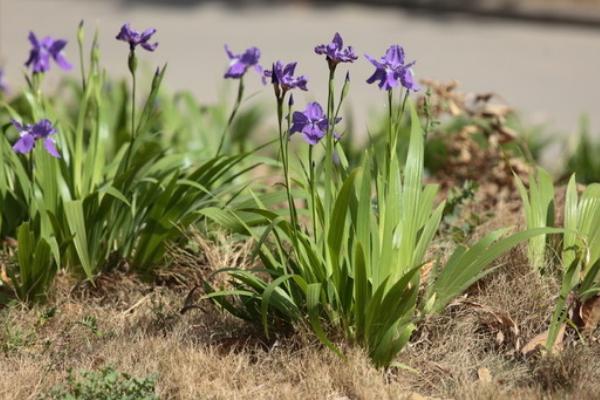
<point>133,88</point>
<point>390,120</point>
<point>283,148</point>
<point>391,143</point>
<point>132,63</point>
<point>36,83</point>
<point>404,99</point>
<point>329,145</point>
<point>312,183</point>
<point>82,67</point>
<point>234,111</point>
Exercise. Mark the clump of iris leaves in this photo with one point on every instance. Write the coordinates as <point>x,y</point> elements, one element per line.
<point>89,181</point>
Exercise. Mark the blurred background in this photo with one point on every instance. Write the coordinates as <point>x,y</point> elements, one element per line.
<point>540,56</point>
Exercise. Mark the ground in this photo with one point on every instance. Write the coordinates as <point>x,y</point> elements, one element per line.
<point>471,351</point>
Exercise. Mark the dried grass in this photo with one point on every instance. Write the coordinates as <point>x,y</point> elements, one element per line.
<point>136,327</point>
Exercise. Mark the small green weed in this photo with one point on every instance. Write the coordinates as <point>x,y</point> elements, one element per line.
<point>106,384</point>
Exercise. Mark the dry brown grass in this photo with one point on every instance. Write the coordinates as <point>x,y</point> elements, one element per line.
<point>204,354</point>
<point>198,355</point>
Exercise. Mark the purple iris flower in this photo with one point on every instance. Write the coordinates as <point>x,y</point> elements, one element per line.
<point>335,51</point>
<point>3,85</point>
<point>42,50</point>
<point>283,77</point>
<point>391,70</point>
<point>135,38</point>
<point>30,134</point>
<point>312,123</point>
<point>239,63</point>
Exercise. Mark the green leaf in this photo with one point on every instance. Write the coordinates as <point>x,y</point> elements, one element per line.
<point>313,293</point>
<point>76,221</point>
<point>337,225</point>
<point>466,266</point>
<point>560,311</point>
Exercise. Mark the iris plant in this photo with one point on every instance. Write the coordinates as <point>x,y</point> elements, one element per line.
<point>238,66</point>
<point>335,53</point>
<point>283,80</point>
<point>392,71</point>
<point>313,124</point>
<point>135,38</point>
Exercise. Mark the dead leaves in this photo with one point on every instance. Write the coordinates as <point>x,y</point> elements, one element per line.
<point>507,334</point>
<point>4,278</point>
<point>588,314</point>
<point>472,151</point>
<point>505,330</point>
<point>425,272</point>
<point>539,342</point>
<point>585,317</point>
<point>445,98</point>
<point>6,283</point>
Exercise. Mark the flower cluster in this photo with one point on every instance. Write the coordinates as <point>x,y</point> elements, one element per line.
<point>43,50</point>
<point>391,71</point>
<point>31,134</point>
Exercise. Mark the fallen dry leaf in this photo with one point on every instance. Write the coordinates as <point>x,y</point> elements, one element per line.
<point>425,272</point>
<point>4,278</point>
<point>589,314</point>
<point>496,110</point>
<point>540,341</point>
<point>339,397</point>
<point>11,242</point>
<point>454,109</point>
<point>500,322</point>
<point>484,375</point>
<point>415,396</point>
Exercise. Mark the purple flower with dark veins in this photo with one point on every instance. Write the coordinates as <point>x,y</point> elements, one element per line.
<point>282,77</point>
<point>391,70</point>
<point>42,50</point>
<point>30,134</point>
<point>312,123</point>
<point>135,38</point>
<point>239,63</point>
<point>3,85</point>
<point>335,51</point>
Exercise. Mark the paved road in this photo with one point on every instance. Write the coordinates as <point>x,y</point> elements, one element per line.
<point>550,72</point>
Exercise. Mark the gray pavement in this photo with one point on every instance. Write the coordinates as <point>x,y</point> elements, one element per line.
<point>550,72</point>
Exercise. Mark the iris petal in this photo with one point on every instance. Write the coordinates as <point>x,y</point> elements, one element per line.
<point>25,144</point>
<point>50,147</point>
